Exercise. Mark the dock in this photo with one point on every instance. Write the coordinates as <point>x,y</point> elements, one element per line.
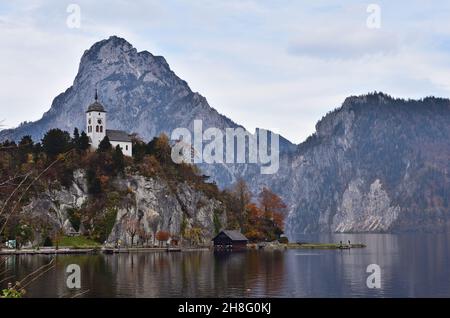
<point>48,251</point>
<point>107,250</point>
<point>324,246</point>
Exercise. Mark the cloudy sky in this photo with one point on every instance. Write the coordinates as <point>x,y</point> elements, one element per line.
<point>278,64</point>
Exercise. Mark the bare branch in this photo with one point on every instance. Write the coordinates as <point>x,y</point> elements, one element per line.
<point>80,294</point>
<point>29,186</point>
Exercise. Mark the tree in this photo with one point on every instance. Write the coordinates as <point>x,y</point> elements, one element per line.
<point>194,235</point>
<point>118,160</point>
<point>243,197</point>
<point>26,147</point>
<point>93,182</point>
<point>153,223</point>
<point>83,142</point>
<point>76,137</point>
<point>132,228</point>
<point>273,207</point>
<point>144,236</point>
<point>104,145</point>
<point>163,149</point>
<point>254,228</point>
<point>56,142</point>
<point>139,148</point>
<point>162,236</point>
<point>27,143</point>
<point>270,203</point>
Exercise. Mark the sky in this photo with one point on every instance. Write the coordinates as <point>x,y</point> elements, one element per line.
<point>280,64</point>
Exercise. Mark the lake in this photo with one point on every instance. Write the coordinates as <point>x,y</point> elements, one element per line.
<point>412,265</point>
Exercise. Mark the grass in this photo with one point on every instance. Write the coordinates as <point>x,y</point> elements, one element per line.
<point>77,242</point>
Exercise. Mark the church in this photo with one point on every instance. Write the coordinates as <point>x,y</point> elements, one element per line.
<point>96,129</point>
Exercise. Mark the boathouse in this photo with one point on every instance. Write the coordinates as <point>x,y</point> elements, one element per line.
<point>230,240</point>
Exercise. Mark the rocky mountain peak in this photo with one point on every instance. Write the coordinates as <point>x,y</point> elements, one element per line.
<point>138,89</point>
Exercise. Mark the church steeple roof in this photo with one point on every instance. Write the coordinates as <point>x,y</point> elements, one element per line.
<point>96,106</point>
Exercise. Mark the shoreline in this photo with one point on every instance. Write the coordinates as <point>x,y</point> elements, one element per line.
<point>125,250</point>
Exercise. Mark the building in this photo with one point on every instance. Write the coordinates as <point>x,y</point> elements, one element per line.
<point>96,129</point>
<point>230,240</point>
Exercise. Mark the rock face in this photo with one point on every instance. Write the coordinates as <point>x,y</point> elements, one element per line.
<point>53,206</point>
<point>376,164</point>
<point>153,200</point>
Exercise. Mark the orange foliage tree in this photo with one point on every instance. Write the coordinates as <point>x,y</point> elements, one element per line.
<point>162,236</point>
<point>273,207</point>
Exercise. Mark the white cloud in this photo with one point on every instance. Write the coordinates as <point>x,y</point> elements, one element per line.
<point>264,64</point>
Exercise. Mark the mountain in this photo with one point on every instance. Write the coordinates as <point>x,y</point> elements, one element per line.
<point>376,164</point>
<point>139,90</point>
<point>141,95</point>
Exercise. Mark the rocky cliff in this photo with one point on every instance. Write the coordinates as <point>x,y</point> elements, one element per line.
<point>149,201</point>
<point>376,164</point>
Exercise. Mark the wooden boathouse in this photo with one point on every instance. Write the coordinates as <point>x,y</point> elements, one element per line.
<point>230,240</point>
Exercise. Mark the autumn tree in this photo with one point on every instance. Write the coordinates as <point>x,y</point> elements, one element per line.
<point>273,208</point>
<point>162,149</point>
<point>271,203</point>
<point>243,197</point>
<point>194,235</point>
<point>144,236</point>
<point>132,228</point>
<point>162,236</point>
<point>153,223</point>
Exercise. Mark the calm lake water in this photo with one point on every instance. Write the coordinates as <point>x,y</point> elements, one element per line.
<point>411,266</point>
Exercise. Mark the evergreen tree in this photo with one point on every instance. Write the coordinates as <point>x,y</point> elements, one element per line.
<point>76,138</point>
<point>76,135</point>
<point>55,142</point>
<point>139,150</point>
<point>104,145</point>
<point>83,142</point>
<point>118,160</point>
<point>25,147</point>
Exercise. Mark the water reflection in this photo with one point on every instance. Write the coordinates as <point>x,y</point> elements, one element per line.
<point>411,265</point>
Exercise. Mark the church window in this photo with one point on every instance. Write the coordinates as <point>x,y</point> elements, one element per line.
<point>96,128</point>
<point>126,147</point>
<point>101,129</point>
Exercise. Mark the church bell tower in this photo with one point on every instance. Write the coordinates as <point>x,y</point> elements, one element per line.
<point>96,122</point>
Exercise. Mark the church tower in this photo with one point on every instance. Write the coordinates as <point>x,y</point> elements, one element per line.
<point>96,122</point>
